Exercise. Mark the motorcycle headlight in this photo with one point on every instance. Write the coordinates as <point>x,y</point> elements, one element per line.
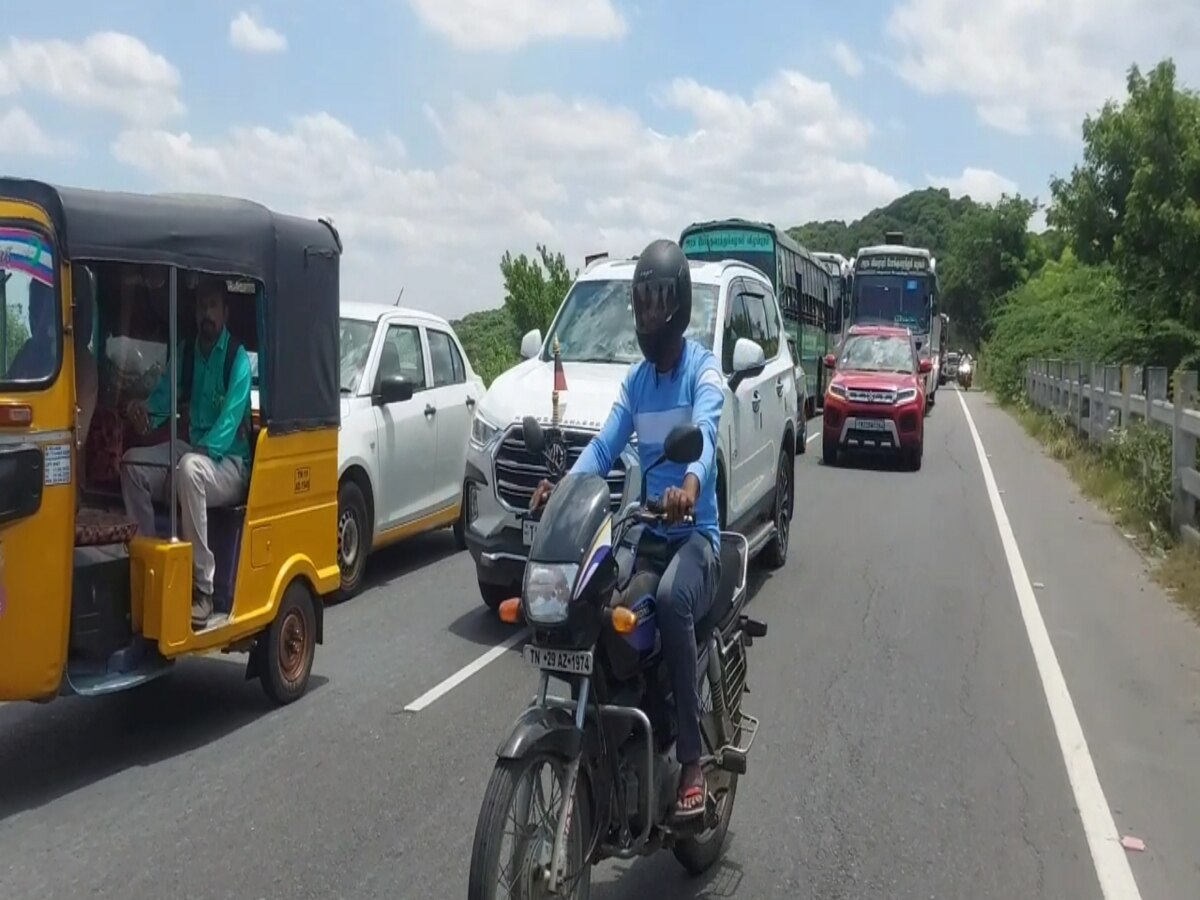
<point>547,591</point>
<point>482,431</point>
<point>906,395</point>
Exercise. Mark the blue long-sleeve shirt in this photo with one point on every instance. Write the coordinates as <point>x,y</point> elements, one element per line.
<point>652,403</point>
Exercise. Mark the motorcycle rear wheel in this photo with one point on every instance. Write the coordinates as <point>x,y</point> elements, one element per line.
<point>701,852</point>
<point>504,797</point>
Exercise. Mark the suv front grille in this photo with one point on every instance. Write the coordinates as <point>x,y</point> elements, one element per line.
<point>871,395</point>
<point>518,471</point>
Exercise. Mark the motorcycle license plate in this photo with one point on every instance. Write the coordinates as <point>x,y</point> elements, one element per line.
<point>572,662</point>
<point>870,424</point>
<point>528,532</point>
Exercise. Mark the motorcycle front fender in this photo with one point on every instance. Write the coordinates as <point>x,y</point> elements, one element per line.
<point>542,729</point>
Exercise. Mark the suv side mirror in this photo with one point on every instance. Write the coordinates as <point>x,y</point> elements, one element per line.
<point>393,389</point>
<point>531,344</point>
<point>925,366</point>
<point>830,361</point>
<point>748,360</point>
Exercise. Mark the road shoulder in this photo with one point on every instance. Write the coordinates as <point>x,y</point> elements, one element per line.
<point>1130,656</point>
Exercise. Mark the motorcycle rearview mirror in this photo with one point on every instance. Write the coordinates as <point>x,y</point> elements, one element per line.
<point>531,432</point>
<point>684,444</point>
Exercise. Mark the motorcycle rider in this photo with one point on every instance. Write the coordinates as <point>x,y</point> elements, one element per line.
<point>678,382</point>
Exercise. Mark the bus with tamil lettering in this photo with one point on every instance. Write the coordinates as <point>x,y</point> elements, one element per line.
<point>895,284</point>
<point>808,294</point>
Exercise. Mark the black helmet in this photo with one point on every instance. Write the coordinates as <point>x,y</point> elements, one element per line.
<point>662,298</point>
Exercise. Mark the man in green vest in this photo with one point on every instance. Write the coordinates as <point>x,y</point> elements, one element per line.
<point>212,455</point>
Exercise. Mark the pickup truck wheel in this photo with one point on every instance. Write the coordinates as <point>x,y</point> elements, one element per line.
<point>353,537</point>
<point>775,553</point>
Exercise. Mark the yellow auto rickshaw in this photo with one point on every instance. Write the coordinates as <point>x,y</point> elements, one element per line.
<point>102,295</point>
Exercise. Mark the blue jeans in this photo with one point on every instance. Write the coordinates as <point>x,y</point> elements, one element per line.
<point>685,594</point>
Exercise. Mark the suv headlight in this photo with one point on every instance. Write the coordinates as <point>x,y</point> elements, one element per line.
<point>547,591</point>
<point>906,395</point>
<point>482,431</point>
<point>837,390</point>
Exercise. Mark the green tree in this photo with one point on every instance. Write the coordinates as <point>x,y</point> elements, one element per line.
<point>1135,198</point>
<point>491,341</point>
<point>990,252</point>
<point>533,290</point>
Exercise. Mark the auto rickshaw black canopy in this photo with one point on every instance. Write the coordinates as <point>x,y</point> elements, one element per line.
<point>296,260</point>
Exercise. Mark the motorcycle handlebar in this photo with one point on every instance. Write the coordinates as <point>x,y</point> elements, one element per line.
<point>655,511</point>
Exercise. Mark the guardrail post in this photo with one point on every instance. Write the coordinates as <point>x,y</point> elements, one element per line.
<point>1126,395</point>
<point>1096,404</point>
<point>1112,385</point>
<point>1156,389</point>
<point>1183,452</point>
<point>1075,396</point>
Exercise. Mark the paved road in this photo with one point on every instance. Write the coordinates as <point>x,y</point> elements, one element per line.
<point>908,748</point>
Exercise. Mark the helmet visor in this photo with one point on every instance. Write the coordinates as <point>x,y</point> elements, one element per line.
<point>654,303</point>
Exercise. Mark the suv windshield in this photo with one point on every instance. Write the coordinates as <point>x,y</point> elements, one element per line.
<point>596,323</point>
<point>878,353</point>
<point>355,338</point>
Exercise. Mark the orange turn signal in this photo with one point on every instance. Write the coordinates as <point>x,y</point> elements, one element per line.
<point>17,414</point>
<point>510,610</point>
<point>624,620</point>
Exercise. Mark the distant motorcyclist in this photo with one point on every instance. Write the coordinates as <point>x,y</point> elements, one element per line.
<point>678,382</point>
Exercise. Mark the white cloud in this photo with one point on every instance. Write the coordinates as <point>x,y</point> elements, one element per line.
<point>20,135</point>
<point>847,59</point>
<point>981,185</point>
<point>1039,64</point>
<point>254,37</point>
<point>107,71</point>
<point>493,25</point>
<point>578,174</point>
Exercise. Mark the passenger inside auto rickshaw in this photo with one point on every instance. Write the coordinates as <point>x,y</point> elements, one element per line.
<point>128,449</point>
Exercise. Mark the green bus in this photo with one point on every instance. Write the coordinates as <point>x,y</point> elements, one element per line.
<point>809,294</point>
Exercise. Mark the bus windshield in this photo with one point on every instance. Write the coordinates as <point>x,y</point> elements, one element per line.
<point>892,300</point>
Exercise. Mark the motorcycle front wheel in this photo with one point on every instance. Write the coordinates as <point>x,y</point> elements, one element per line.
<point>514,836</point>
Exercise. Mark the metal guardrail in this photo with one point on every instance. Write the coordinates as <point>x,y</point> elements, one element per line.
<point>1099,399</point>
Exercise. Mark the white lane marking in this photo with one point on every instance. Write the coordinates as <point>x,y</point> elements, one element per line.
<point>813,437</point>
<point>1112,866</point>
<point>440,690</point>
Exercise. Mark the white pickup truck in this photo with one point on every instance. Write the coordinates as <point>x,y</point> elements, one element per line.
<point>735,314</point>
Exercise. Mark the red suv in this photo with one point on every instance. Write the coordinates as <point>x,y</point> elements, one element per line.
<point>876,397</point>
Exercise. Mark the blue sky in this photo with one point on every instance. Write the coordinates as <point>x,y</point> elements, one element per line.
<point>436,153</point>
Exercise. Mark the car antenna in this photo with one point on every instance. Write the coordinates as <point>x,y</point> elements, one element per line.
<point>398,296</point>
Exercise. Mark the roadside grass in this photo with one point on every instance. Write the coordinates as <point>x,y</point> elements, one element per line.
<point>1130,476</point>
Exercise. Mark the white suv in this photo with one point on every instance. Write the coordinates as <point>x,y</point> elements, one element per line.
<point>735,314</point>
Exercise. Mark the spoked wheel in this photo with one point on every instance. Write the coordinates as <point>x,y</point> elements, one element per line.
<point>699,853</point>
<point>514,837</point>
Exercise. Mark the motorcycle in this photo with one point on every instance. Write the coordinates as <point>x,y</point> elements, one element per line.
<point>608,748</point>
<point>965,375</point>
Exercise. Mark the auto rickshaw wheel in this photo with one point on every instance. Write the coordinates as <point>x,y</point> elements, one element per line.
<point>289,646</point>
